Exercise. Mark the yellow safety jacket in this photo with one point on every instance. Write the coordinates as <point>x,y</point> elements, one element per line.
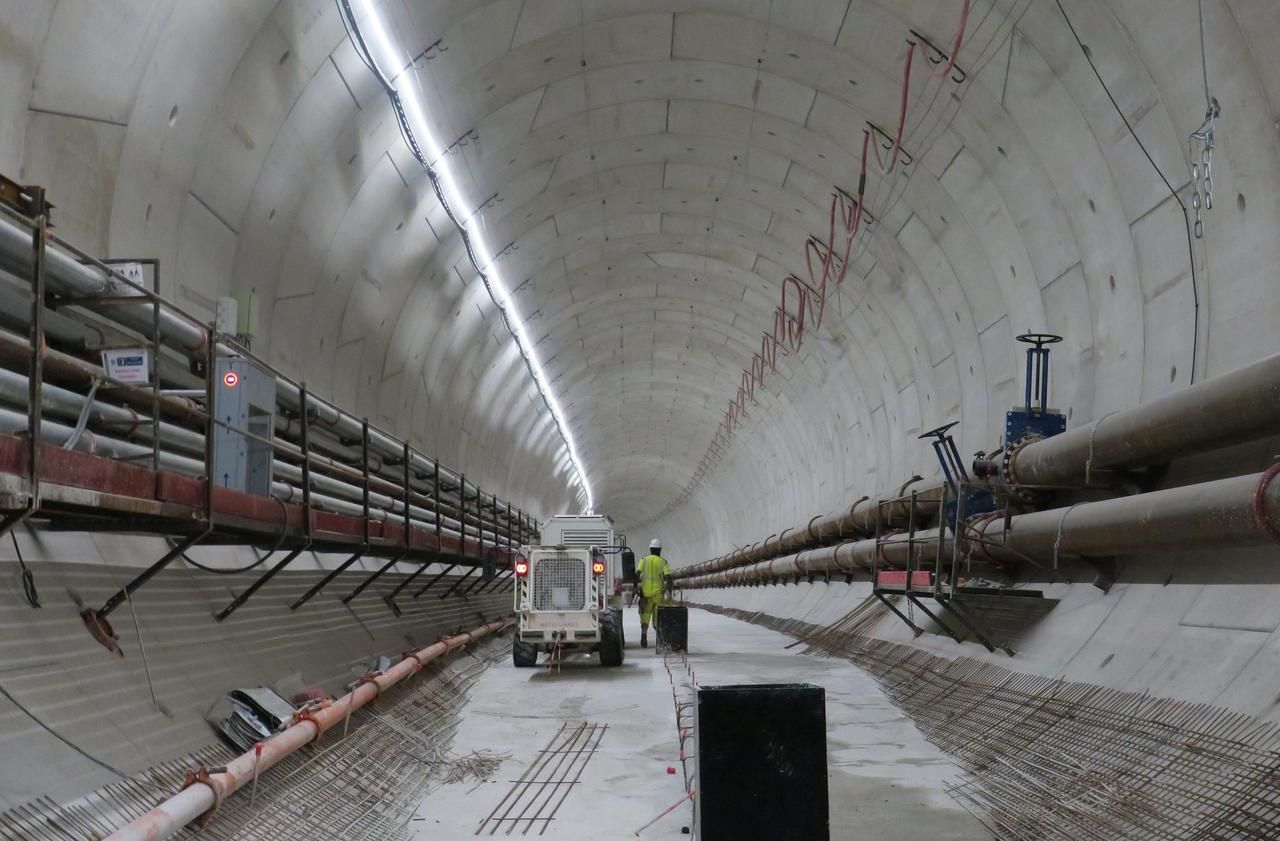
<point>653,570</point>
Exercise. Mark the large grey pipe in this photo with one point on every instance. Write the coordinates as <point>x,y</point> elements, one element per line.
<point>1242,405</point>
<point>64,273</point>
<point>333,494</point>
<point>1231,408</point>
<point>859,520</point>
<point>1240,511</point>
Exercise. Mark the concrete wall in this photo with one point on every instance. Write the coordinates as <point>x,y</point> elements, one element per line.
<point>659,166</point>
<point>103,703</point>
<point>1202,627</point>
<point>1033,208</point>
<point>244,145</point>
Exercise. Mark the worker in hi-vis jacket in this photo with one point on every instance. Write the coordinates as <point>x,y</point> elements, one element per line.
<point>654,576</point>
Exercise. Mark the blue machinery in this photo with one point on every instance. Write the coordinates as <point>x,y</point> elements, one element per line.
<point>966,502</point>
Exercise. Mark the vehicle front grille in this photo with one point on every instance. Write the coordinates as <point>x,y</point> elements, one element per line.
<point>560,583</point>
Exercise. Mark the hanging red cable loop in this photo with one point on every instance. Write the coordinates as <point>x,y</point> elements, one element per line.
<point>955,44</point>
<point>803,303</point>
<point>902,115</point>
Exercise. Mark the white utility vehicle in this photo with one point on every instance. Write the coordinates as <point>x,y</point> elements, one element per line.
<point>561,606</point>
<point>595,530</point>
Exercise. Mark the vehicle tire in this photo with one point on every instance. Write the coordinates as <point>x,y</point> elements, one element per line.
<point>611,651</point>
<point>523,654</point>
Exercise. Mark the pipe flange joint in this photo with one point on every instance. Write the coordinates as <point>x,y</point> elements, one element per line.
<point>880,556</point>
<point>201,776</point>
<point>808,528</point>
<point>853,510</point>
<point>1259,507</point>
<point>979,526</point>
<point>1009,460</point>
<point>309,714</point>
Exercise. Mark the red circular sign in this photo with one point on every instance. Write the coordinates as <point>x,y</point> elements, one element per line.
<point>231,379</point>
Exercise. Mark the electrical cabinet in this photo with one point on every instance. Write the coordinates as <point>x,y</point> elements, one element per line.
<point>244,402</point>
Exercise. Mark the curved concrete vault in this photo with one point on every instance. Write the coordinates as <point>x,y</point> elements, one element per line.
<point>647,173</point>
<point>656,168</point>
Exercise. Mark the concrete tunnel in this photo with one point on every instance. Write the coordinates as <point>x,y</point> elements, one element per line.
<point>723,270</point>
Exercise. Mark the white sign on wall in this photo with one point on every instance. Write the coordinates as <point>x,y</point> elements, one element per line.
<point>134,273</point>
<point>128,365</point>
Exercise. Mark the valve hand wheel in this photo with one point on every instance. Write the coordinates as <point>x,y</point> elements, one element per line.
<point>1039,339</point>
<point>938,433</point>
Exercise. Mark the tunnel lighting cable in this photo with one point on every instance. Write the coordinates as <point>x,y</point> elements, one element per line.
<point>73,746</point>
<point>719,444</point>
<point>1186,217</point>
<point>416,131</point>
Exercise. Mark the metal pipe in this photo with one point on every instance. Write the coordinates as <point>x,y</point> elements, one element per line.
<point>65,403</point>
<point>12,423</point>
<point>68,275</point>
<point>859,520</point>
<point>203,796</point>
<point>1240,511</point>
<point>15,349</point>
<point>1227,409</point>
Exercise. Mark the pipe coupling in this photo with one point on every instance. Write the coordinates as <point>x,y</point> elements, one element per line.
<point>201,776</point>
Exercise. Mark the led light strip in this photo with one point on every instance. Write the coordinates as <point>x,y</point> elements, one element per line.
<point>369,36</point>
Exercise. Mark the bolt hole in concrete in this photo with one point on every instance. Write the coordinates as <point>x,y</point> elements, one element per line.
<point>1240,202</point>
<point>885,780</point>
<point>173,115</point>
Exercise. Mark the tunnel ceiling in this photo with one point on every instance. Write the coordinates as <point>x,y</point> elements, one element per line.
<point>648,173</point>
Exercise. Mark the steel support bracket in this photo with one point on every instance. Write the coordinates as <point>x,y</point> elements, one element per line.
<point>239,600</point>
<point>458,583</point>
<point>936,620</point>
<point>914,628</point>
<point>432,582</point>
<point>327,580</point>
<point>364,585</point>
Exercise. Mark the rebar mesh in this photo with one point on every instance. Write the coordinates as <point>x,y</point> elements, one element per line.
<point>364,786</point>
<point>1053,759</point>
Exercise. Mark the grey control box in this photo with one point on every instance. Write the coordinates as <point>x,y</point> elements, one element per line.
<point>244,402</point>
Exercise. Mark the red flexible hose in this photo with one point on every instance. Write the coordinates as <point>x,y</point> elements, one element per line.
<point>955,45</point>
<point>902,114</point>
<point>790,325</point>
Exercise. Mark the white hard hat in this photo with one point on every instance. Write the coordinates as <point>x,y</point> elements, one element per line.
<point>655,544</point>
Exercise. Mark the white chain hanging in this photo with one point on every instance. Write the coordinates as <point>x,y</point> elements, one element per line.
<point>1200,144</point>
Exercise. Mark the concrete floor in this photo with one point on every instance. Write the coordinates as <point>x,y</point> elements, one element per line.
<point>886,781</point>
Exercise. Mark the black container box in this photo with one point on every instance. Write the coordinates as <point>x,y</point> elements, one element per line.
<point>672,622</point>
<point>762,763</point>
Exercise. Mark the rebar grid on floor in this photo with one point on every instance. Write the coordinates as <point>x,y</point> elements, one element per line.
<point>364,786</point>
<point>1054,759</point>
<point>546,782</point>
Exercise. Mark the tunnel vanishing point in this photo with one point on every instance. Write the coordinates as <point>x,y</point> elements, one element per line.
<point>933,343</point>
